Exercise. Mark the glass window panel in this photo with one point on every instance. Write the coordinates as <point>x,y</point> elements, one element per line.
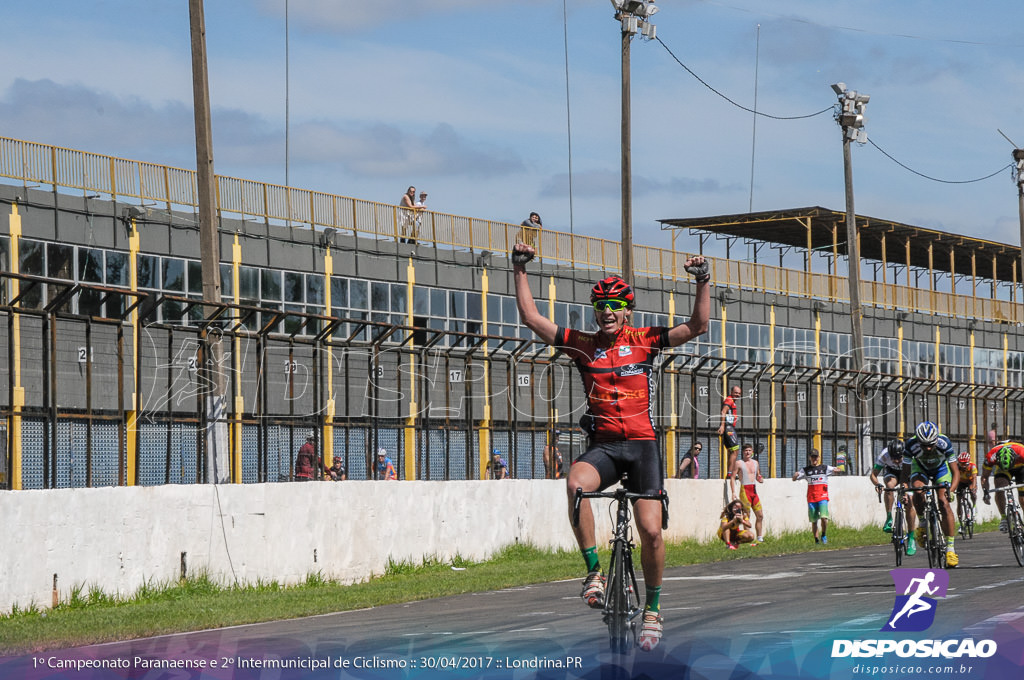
<point>730,334</point>
<point>249,284</point>
<point>60,261</point>
<point>227,282</point>
<point>30,257</point>
<point>765,340</point>
<point>561,315</point>
<point>509,313</point>
<point>358,295</point>
<point>270,286</point>
<point>438,303</point>
<point>474,309</point>
<point>292,323</point>
<point>90,265</point>
<point>174,274</point>
<point>420,301</point>
<point>493,310</point>
<point>89,303</point>
<point>149,272</point>
<point>542,307</point>
<point>380,299</point>
<point>195,277</point>
<point>171,312</point>
<point>293,287</point>
<point>458,304</point>
<point>339,292</point>
<point>5,249</point>
<point>399,296</point>
<point>117,268</point>
<point>575,318</point>
<point>315,290</point>
<point>741,334</point>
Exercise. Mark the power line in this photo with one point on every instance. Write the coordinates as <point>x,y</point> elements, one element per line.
<point>737,105</point>
<point>936,179</point>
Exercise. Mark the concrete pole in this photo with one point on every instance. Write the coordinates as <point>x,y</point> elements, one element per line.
<point>216,458</point>
<point>864,457</point>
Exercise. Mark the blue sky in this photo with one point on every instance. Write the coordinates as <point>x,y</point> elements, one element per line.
<point>467,100</point>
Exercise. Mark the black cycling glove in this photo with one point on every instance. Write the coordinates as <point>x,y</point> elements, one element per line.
<point>701,272</point>
<point>521,257</point>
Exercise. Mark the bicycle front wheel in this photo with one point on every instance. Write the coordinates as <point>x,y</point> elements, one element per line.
<point>969,512</point>
<point>617,601</point>
<point>936,542</point>
<point>899,540</point>
<point>1016,526</point>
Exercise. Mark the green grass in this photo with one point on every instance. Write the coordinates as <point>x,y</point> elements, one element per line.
<point>89,616</point>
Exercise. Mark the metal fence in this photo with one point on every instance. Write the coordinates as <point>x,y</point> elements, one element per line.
<point>103,401</point>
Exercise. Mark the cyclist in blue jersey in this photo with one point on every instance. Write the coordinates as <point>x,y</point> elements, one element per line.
<point>933,461</point>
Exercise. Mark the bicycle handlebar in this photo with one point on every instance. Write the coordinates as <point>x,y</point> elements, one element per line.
<point>879,489</point>
<point>621,494</point>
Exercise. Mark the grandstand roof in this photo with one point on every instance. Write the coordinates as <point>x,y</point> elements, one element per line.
<point>822,229</point>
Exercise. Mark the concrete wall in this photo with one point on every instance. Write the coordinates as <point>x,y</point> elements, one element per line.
<point>119,538</point>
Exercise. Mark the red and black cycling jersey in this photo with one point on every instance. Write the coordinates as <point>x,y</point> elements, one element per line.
<point>617,378</point>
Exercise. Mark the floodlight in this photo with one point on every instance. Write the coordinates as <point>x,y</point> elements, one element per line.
<point>839,88</point>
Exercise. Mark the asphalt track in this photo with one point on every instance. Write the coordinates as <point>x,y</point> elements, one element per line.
<point>776,617</point>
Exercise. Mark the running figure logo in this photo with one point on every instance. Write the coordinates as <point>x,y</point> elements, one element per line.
<point>914,610</point>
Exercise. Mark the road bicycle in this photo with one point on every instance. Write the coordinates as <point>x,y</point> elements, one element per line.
<point>965,514</point>
<point>935,541</point>
<point>621,600</point>
<point>1014,521</point>
<point>899,519</point>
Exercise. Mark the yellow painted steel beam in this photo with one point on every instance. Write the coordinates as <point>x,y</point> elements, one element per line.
<point>235,442</point>
<point>485,424</point>
<point>410,420</point>
<point>18,403</point>
<point>132,435</point>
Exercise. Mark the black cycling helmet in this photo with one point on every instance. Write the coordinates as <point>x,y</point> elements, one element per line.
<point>895,448</point>
<point>613,287</point>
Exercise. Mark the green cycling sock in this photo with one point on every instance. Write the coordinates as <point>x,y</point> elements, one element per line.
<point>653,598</point>
<point>590,558</point>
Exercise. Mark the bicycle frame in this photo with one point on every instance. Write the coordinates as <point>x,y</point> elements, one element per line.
<point>935,544</point>
<point>1014,521</point>
<point>965,513</point>
<point>899,519</point>
<point>621,600</point>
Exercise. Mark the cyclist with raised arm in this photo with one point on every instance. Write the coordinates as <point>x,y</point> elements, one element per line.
<point>933,462</point>
<point>616,364</point>
<point>1007,459</point>
<point>895,470</point>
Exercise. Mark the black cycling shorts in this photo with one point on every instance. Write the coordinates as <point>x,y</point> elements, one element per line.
<point>729,439</point>
<point>639,460</point>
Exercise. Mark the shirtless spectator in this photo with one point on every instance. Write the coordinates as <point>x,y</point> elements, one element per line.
<point>747,471</point>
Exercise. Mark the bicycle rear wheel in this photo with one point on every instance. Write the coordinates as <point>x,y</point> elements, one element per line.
<point>617,601</point>
<point>1016,526</point>
<point>899,539</point>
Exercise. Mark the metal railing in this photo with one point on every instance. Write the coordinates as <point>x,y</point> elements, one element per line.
<point>150,183</point>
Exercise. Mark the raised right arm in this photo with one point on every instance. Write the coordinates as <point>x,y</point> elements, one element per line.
<point>543,327</point>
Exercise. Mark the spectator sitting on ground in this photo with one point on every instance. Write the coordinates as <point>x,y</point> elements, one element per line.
<point>734,526</point>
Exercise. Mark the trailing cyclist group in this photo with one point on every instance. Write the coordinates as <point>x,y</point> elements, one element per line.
<point>919,478</point>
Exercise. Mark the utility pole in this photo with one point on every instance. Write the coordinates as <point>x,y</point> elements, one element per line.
<point>1018,172</point>
<point>634,16</point>
<point>213,379</point>
<point>850,117</point>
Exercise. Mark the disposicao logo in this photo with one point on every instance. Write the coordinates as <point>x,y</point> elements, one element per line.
<point>914,610</point>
